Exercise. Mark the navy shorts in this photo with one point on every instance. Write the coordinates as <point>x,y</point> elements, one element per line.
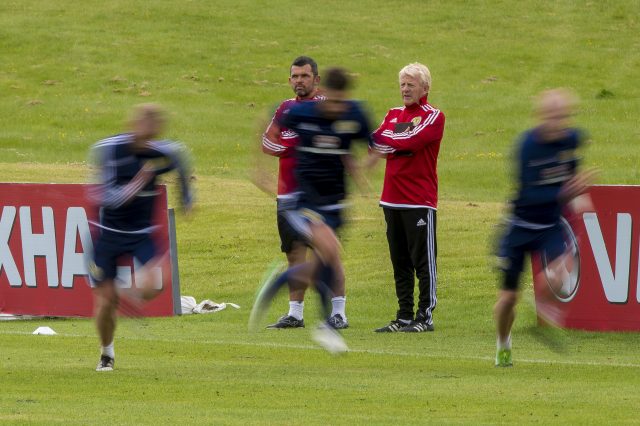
<point>301,218</point>
<point>518,241</point>
<point>113,245</point>
<point>288,235</point>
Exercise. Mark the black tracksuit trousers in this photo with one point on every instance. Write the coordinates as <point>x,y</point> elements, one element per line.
<point>411,234</point>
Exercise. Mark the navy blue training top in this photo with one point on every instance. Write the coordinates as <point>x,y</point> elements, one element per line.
<point>543,167</point>
<point>323,142</point>
<point>125,206</point>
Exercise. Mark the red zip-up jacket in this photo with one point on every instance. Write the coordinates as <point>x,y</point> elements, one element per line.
<point>281,142</point>
<point>410,137</point>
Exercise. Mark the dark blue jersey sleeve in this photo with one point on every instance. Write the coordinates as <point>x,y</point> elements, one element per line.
<point>166,156</point>
<point>365,128</point>
<point>114,189</point>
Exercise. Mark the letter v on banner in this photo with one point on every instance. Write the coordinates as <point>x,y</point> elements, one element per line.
<point>605,264</point>
<point>615,284</point>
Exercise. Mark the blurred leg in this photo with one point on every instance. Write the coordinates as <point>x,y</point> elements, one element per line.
<point>296,256</point>
<point>504,312</point>
<point>106,304</point>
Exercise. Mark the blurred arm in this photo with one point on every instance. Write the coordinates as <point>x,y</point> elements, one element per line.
<point>108,192</point>
<point>167,156</point>
<point>354,171</point>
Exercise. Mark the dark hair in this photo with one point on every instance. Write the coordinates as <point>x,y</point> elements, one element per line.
<point>336,79</point>
<point>301,61</point>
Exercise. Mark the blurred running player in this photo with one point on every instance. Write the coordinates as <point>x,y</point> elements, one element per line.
<point>127,166</point>
<point>546,169</point>
<point>281,142</point>
<point>326,129</point>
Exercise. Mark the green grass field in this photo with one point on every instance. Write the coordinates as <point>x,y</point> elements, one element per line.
<point>69,72</point>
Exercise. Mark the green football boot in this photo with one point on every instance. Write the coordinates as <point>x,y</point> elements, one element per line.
<point>503,358</point>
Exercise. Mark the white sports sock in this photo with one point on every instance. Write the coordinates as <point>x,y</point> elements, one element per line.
<point>108,351</point>
<point>296,309</point>
<point>506,344</point>
<point>337,306</point>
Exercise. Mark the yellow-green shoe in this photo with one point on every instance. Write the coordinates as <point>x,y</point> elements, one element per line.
<point>266,292</point>
<point>503,358</point>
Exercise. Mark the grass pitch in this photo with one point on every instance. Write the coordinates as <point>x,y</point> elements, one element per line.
<point>70,72</point>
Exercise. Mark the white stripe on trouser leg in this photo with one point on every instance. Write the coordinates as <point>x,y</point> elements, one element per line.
<point>431,258</point>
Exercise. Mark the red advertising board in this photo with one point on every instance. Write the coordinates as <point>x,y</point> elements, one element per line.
<point>46,237</point>
<point>603,292</point>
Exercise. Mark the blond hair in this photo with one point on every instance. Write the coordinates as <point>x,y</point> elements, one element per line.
<point>149,111</point>
<point>559,97</point>
<point>419,72</point>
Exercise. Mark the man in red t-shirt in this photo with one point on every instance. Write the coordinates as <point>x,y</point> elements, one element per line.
<point>409,138</point>
<point>280,142</point>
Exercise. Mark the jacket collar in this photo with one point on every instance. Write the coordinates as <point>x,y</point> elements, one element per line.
<point>413,107</point>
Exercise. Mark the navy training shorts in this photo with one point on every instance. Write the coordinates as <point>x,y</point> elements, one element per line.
<point>518,241</point>
<point>113,245</point>
<point>305,214</point>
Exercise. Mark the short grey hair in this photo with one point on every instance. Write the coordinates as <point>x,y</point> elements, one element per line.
<point>419,72</point>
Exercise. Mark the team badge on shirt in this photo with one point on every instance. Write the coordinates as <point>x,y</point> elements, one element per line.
<point>416,120</point>
<point>346,126</point>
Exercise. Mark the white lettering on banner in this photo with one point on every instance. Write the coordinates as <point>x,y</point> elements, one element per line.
<point>124,276</point>
<point>6,259</point>
<point>39,245</point>
<point>75,263</point>
<point>616,286</point>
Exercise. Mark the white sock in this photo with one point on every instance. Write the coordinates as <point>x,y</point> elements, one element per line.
<point>337,306</point>
<point>504,344</point>
<point>296,309</point>
<point>108,351</point>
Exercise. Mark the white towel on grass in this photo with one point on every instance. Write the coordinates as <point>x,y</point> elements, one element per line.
<point>191,306</point>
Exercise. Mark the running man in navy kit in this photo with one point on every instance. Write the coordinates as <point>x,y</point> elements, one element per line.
<point>548,181</point>
<point>127,166</point>
<point>326,129</point>
<point>281,142</point>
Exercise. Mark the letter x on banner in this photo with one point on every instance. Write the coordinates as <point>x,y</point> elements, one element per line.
<point>46,243</point>
<point>601,284</point>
